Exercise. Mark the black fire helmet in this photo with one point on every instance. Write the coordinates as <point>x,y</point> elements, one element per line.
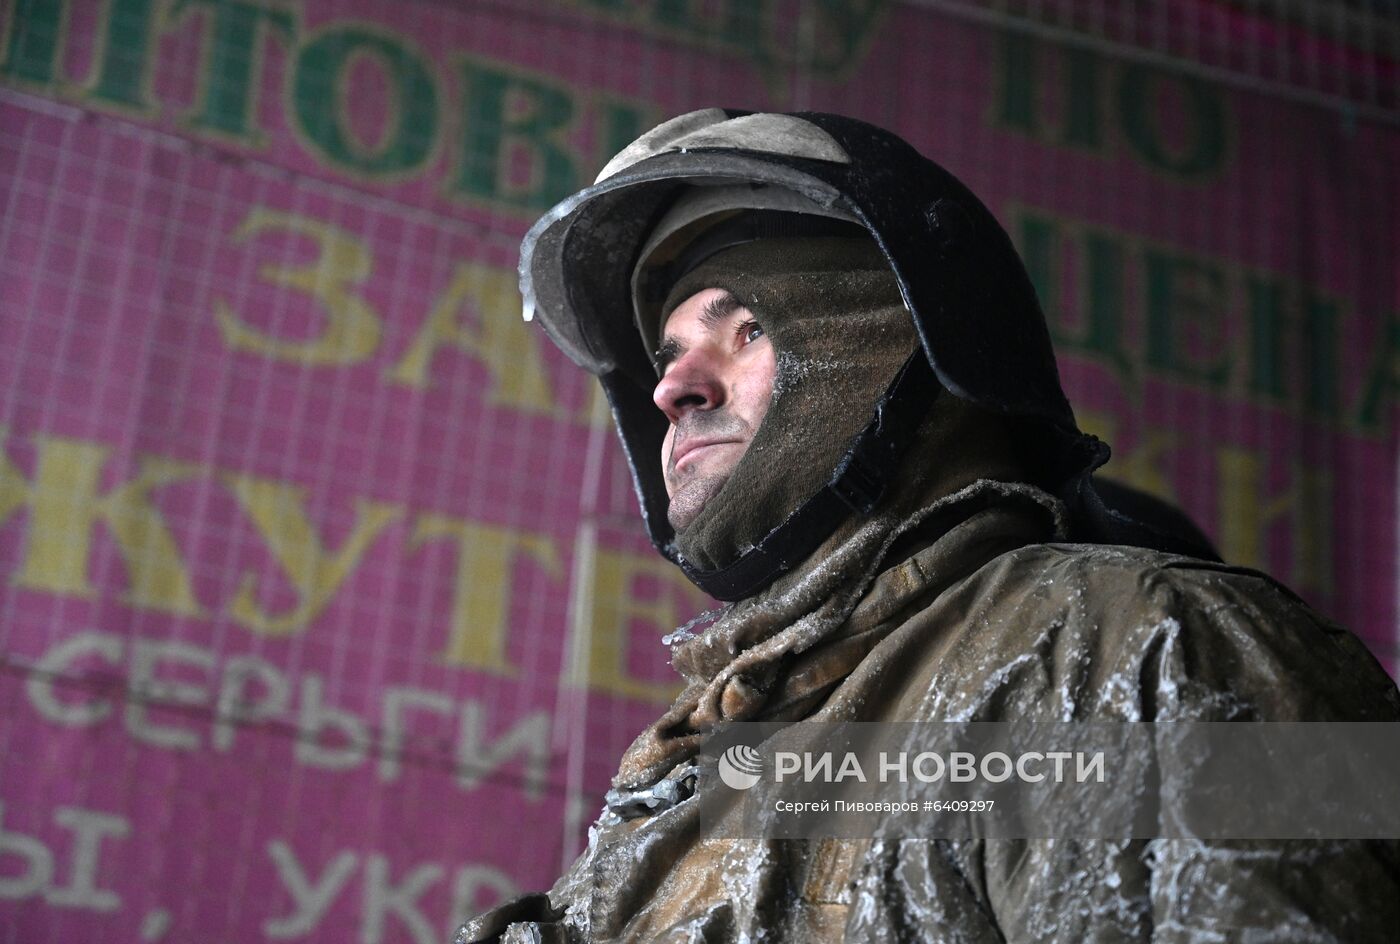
<point>983,335</point>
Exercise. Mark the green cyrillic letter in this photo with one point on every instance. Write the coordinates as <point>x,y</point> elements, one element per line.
<point>231,77</point>
<point>318,94</point>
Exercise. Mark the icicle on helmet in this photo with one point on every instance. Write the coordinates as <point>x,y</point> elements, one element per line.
<point>980,326</point>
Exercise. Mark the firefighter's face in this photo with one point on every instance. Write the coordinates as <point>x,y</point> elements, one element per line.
<point>717,381</point>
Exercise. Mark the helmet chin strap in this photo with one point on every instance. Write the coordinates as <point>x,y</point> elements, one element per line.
<point>860,480</point>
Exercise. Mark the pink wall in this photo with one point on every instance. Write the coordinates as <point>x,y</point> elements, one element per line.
<point>292,505</point>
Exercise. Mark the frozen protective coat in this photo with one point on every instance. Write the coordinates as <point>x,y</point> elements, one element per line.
<point>969,609</point>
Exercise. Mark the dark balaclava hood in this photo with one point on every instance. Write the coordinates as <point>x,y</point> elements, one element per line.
<point>832,309</point>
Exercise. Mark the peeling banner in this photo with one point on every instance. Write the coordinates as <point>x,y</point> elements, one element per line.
<point>324,607</point>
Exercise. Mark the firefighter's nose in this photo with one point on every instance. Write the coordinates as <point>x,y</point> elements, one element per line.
<point>691,382</point>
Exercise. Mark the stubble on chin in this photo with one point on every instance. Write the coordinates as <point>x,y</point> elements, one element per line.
<point>691,497</point>
<point>695,487</point>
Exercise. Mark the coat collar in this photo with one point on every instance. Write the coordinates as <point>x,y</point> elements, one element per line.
<point>774,656</point>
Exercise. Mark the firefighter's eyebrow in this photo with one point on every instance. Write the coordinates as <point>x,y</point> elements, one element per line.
<point>717,309</point>
<point>669,350</point>
<point>711,316</point>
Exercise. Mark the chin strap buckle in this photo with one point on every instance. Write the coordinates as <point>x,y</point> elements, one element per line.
<point>857,484</point>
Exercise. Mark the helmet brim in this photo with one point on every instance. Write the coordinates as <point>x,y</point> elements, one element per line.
<point>576,263</point>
